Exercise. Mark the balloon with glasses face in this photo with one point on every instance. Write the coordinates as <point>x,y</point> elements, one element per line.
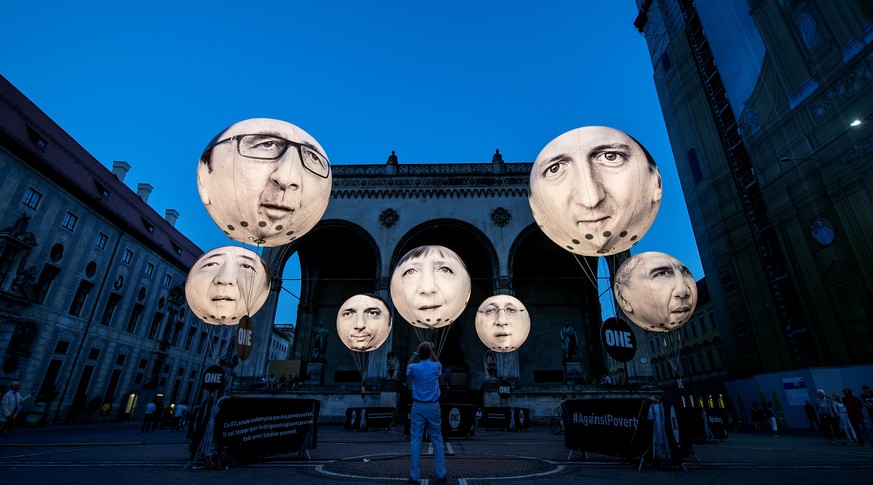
<point>430,286</point>
<point>226,284</point>
<point>502,323</point>
<point>363,323</point>
<point>655,291</point>
<point>595,191</point>
<point>264,182</point>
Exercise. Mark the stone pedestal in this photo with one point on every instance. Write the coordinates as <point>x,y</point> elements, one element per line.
<point>573,372</point>
<point>315,373</point>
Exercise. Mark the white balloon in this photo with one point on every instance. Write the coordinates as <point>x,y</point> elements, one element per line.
<point>264,182</point>
<point>595,191</point>
<point>363,323</point>
<point>430,286</point>
<point>226,284</point>
<point>502,323</point>
<point>655,291</point>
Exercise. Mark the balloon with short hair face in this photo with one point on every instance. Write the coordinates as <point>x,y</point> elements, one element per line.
<point>430,286</point>
<point>655,291</point>
<point>226,284</point>
<point>264,182</point>
<point>363,323</point>
<point>595,191</point>
<point>502,323</point>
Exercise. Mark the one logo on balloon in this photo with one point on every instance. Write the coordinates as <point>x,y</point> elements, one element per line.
<point>595,191</point>
<point>454,418</point>
<point>363,323</point>
<point>655,291</point>
<point>226,284</point>
<point>618,339</point>
<point>264,181</point>
<point>502,323</point>
<point>430,286</point>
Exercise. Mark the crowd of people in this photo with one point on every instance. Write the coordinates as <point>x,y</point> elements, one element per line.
<point>842,417</point>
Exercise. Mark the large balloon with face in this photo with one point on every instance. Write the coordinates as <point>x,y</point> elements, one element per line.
<point>226,284</point>
<point>656,291</point>
<point>502,323</point>
<point>363,323</point>
<point>595,191</point>
<point>264,182</point>
<point>430,286</point>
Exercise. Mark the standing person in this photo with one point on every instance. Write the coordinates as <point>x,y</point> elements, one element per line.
<point>810,415</point>
<point>827,416</point>
<point>867,400</point>
<point>148,417</point>
<point>425,370</point>
<point>159,413</point>
<point>10,404</point>
<point>843,416</point>
<point>181,413</point>
<point>856,418</point>
<point>771,417</point>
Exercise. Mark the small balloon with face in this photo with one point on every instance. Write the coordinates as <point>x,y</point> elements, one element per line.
<point>264,182</point>
<point>226,284</point>
<point>430,286</point>
<point>502,323</point>
<point>595,191</point>
<point>363,323</point>
<point>655,291</point>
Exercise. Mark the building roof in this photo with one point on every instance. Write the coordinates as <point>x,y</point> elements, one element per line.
<point>29,133</point>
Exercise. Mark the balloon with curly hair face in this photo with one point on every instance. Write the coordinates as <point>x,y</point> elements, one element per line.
<point>226,284</point>
<point>595,191</point>
<point>363,323</point>
<point>430,286</point>
<point>264,182</point>
<point>655,291</point>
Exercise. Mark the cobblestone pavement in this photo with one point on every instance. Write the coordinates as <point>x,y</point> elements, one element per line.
<point>119,453</point>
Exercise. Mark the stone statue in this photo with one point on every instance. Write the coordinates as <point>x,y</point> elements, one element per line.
<point>322,335</point>
<point>569,342</point>
<point>490,365</point>
<point>393,363</point>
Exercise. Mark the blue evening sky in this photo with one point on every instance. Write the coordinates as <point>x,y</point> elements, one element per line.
<point>152,82</point>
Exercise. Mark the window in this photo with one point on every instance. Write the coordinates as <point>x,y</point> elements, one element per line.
<point>712,323</point>
<point>156,322</point>
<point>143,363</point>
<point>727,282</point>
<point>10,256</point>
<point>120,359</point>
<point>177,333</point>
<point>133,321</point>
<point>150,269</point>
<point>702,324</point>
<point>190,338</point>
<point>62,346</point>
<point>102,239</point>
<point>128,256</point>
<point>111,305</point>
<point>31,198</point>
<point>202,342</point>
<point>693,327</point>
<point>70,221</point>
<point>168,279</point>
<point>694,165</point>
<point>94,354</point>
<point>81,295</point>
<point>46,277</point>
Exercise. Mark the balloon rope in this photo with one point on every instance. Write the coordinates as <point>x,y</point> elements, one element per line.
<point>586,269</point>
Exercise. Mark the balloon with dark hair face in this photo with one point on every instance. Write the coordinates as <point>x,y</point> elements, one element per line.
<point>655,291</point>
<point>502,323</point>
<point>430,286</point>
<point>264,182</point>
<point>363,323</point>
<point>595,191</point>
<point>226,284</point>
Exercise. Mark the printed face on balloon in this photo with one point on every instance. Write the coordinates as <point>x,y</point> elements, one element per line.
<point>264,181</point>
<point>595,191</point>
<point>502,323</point>
<point>226,284</point>
<point>363,323</point>
<point>430,286</point>
<point>656,291</point>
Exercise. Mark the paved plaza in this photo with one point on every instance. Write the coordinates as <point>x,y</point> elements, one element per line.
<point>118,453</point>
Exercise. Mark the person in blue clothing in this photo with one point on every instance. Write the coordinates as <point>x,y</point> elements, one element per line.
<point>424,372</point>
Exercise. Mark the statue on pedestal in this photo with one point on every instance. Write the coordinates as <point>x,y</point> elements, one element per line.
<point>569,342</point>
<point>322,335</point>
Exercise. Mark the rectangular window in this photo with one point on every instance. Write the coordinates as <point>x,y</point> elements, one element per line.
<point>177,333</point>
<point>712,323</point>
<point>143,363</point>
<point>128,256</point>
<point>111,306</point>
<point>727,283</point>
<point>46,277</point>
<point>693,326</point>
<point>94,354</point>
<point>156,322</point>
<point>31,198</point>
<point>62,346</point>
<point>70,221</point>
<point>48,391</point>
<point>80,298</point>
<point>702,324</point>
<point>133,321</point>
<point>150,269</point>
<point>190,338</point>
<point>102,239</point>
<point>168,280</point>
<point>202,342</point>
<point>120,359</point>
